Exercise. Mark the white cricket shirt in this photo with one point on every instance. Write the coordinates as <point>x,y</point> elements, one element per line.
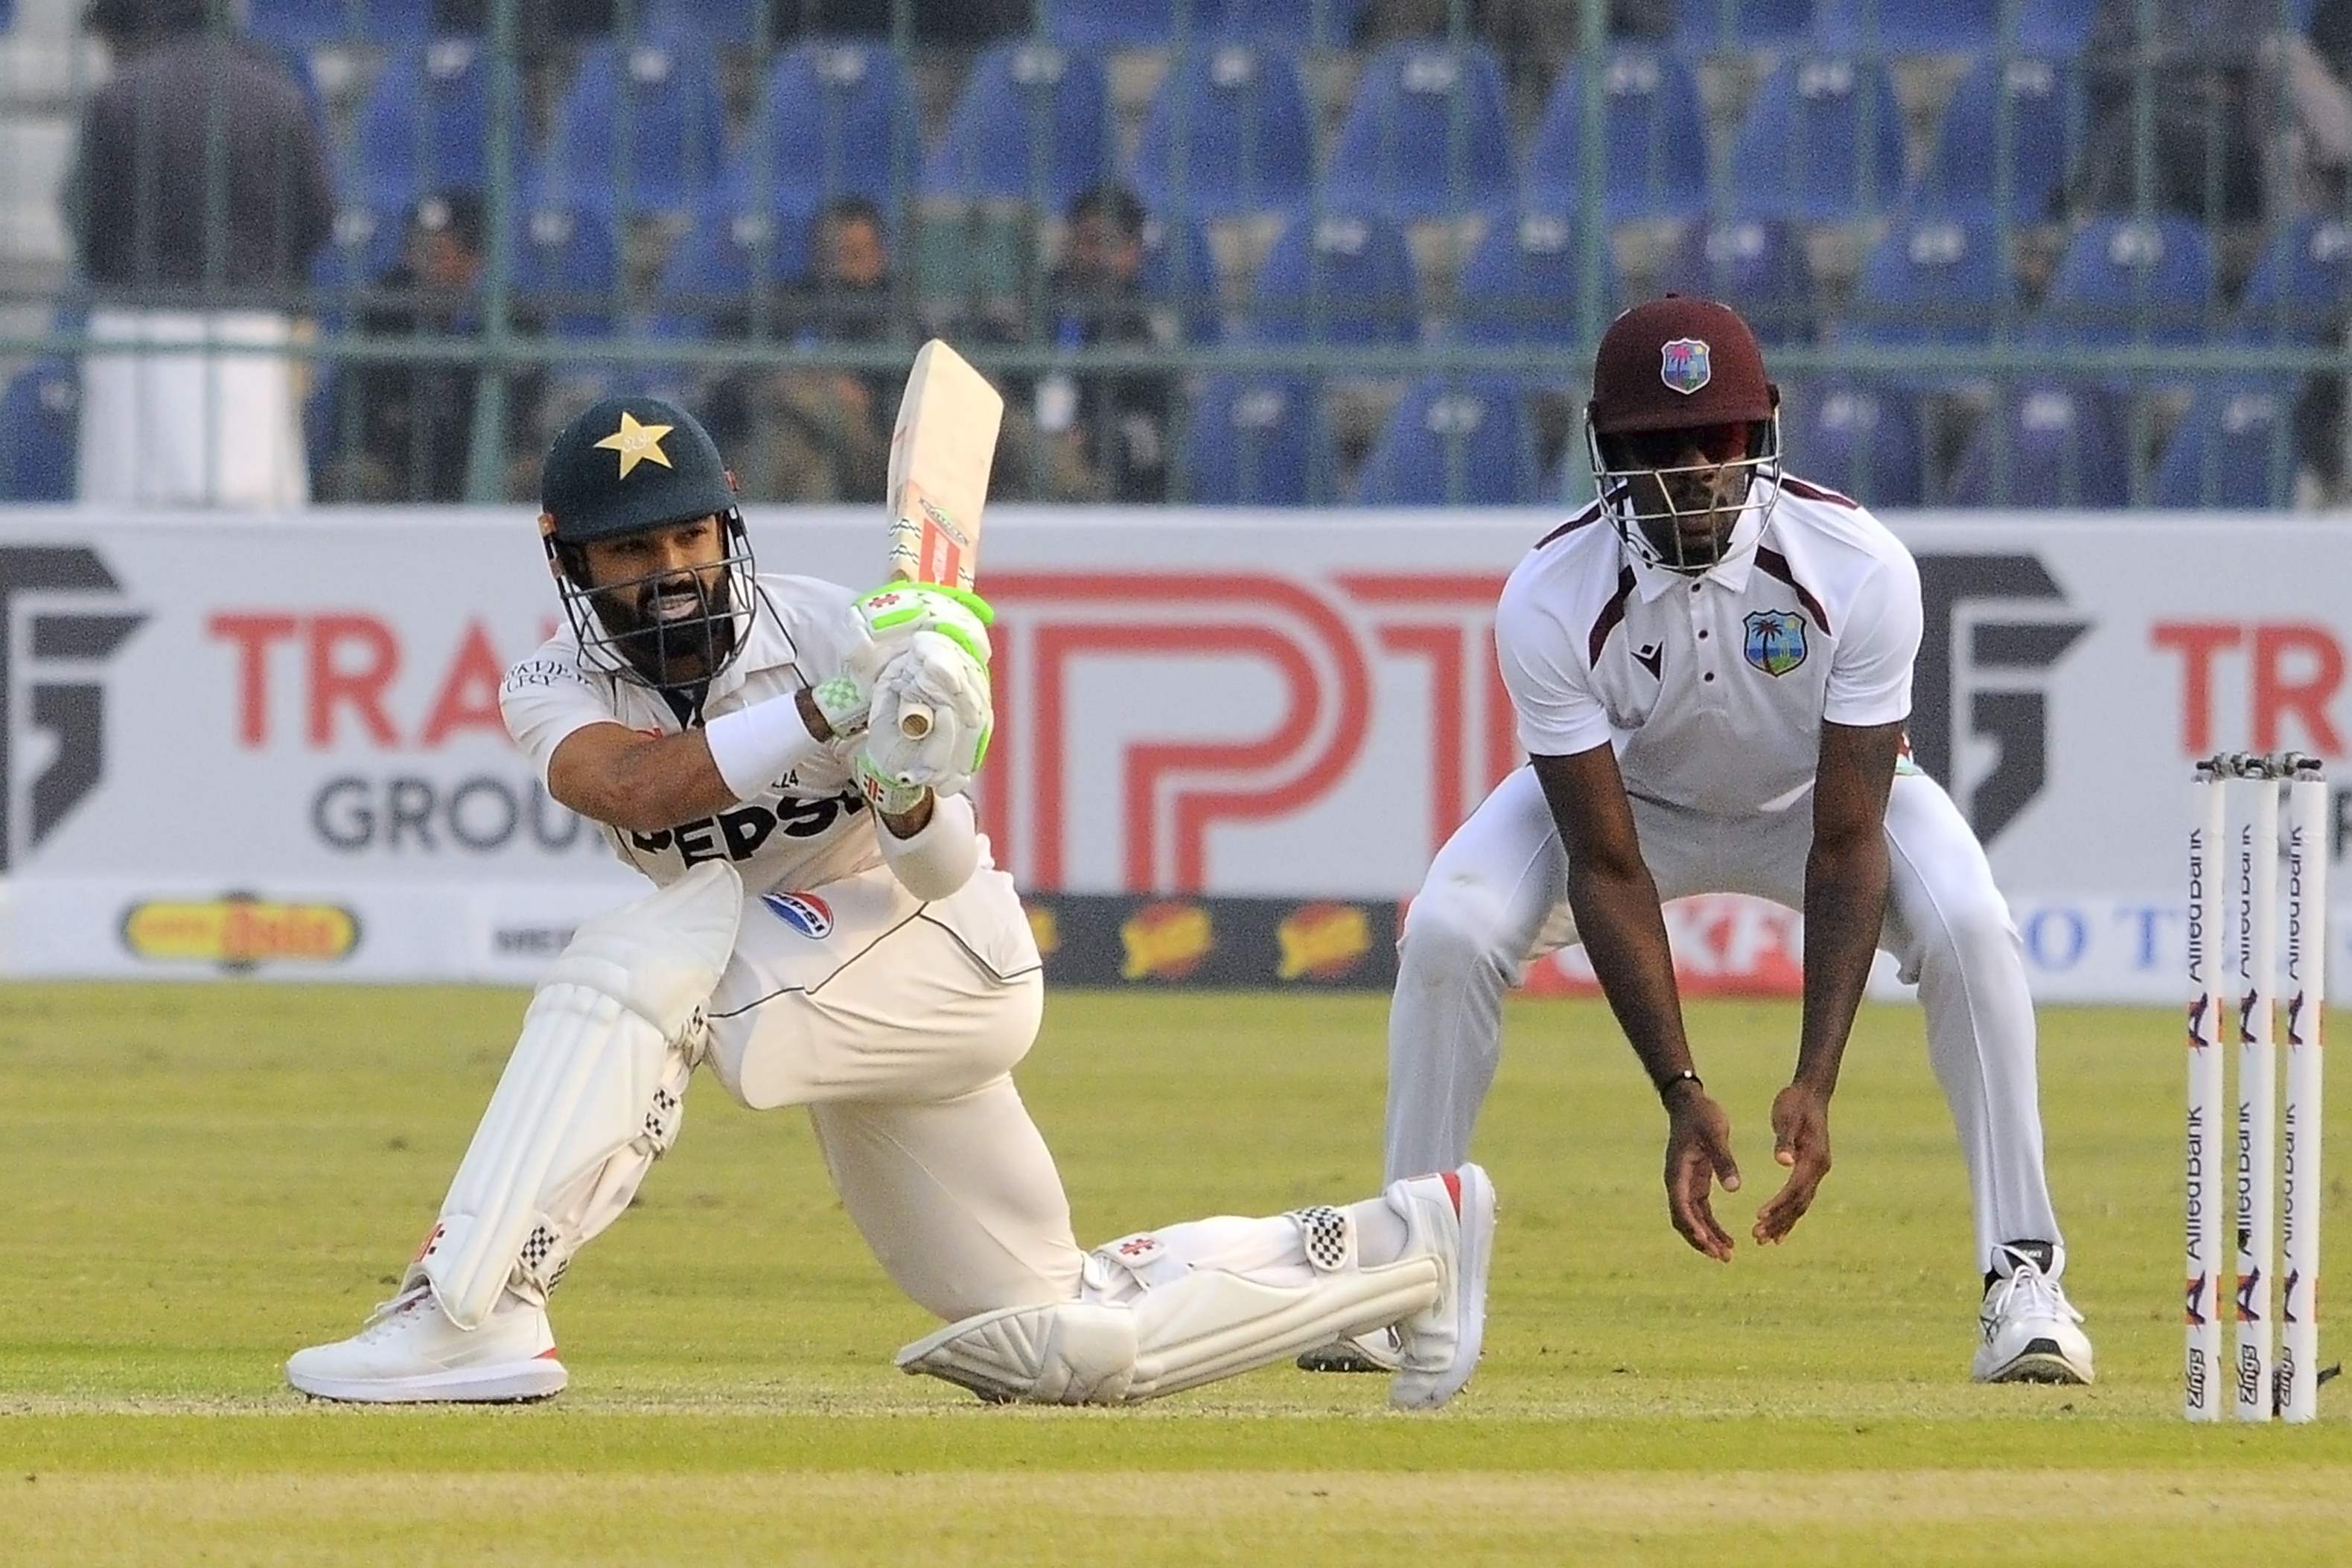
<point>803,830</point>
<point>1713,689</point>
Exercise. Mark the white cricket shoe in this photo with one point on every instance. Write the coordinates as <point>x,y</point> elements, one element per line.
<point>411,1354</point>
<point>1382,1349</point>
<point>2029,1327</point>
<point>1450,1217</point>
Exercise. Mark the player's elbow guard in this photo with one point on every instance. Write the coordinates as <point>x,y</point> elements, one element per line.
<point>938,861</point>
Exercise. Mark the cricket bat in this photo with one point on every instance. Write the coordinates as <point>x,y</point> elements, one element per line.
<point>939,455</point>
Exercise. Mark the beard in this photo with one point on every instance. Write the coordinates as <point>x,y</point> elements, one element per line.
<point>673,631</point>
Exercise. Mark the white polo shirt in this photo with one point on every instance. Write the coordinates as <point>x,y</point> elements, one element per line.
<point>1713,688</point>
<point>803,830</point>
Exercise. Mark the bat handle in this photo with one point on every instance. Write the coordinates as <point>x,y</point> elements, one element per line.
<point>914,720</point>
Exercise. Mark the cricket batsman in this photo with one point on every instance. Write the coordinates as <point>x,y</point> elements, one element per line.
<point>827,931</point>
<point>1711,666</point>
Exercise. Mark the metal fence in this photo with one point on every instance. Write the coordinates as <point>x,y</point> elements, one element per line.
<point>2072,253</point>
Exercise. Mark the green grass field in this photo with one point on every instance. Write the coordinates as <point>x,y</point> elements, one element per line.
<point>204,1178</point>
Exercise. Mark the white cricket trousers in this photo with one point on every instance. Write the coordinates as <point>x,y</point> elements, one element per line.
<point>1496,898</point>
<point>190,408</point>
<point>898,1023</point>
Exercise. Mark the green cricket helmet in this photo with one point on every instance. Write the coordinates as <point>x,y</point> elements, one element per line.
<point>631,464</point>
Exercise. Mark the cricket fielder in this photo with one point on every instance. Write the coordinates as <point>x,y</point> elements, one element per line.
<point>827,931</point>
<point>1711,666</point>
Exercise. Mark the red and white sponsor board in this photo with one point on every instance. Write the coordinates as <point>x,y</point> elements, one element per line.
<point>271,745</point>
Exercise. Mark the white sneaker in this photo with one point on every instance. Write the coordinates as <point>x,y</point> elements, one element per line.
<point>411,1354</point>
<point>1382,1349</point>
<point>1452,1217</point>
<point>2029,1327</point>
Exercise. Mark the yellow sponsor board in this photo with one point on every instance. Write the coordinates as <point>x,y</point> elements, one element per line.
<point>239,931</point>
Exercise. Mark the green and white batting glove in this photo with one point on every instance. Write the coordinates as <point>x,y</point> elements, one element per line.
<point>937,676</point>
<point>885,624</point>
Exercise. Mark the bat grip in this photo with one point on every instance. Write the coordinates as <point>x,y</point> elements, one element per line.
<point>914,720</point>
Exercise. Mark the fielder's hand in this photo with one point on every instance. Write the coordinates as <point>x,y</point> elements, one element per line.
<point>1800,1140</point>
<point>938,675</point>
<point>1698,1155</point>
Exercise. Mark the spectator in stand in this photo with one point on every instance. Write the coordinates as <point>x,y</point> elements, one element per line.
<point>403,429</point>
<point>815,435</point>
<point>1104,433</point>
<point>198,194</point>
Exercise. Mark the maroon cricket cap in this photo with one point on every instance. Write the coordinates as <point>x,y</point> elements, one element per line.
<point>1678,362</point>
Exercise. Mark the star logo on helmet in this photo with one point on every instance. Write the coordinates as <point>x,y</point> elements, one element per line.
<point>636,443</point>
<point>1682,365</point>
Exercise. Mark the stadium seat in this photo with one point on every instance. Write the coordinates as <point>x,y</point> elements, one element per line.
<point>833,116</point>
<point>1340,279</point>
<point>1452,441</point>
<point>710,21</point>
<point>1424,136</point>
<point>724,253</point>
<point>2301,286</point>
<point>1291,24</point>
<point>641,130</point>
<point>1932,283</point>
<point>1742,25</point>
<point>2128,280</point>
<point>1821,142</point>
<point>1907,27</point>
<point>364,245</point>
<point>1654,160</point>
<point>1523,286</point>
<point>1228,130</point>
<point>1122,23</point>
<point>40,431</point>
<point>1032,122</point>
<point>1860,437</point>
<point>2041,98</point>
<point>2058,27</point>
<point>1255,440</point>
<point>424,126</point>
<point>302,25</point>
<point>2046,444</point>
<point>567,267</point>
<point>2235,446</point>
<point>1756,266</point>
<point>1180,271</point>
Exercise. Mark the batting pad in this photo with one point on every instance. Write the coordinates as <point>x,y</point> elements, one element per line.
<point>590,1097</point>
<point>1204,1325</point>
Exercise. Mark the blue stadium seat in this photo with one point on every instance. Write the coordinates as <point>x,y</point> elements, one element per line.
<point>1860,437</point>
<point>567,265</point>
<point>40,431</point>
<point>1907,27</point>
<point>1179,270</point>
<point>1295,24</point>
<point>1821,142</point>
<point>1756,266</point>
<point>301,25</point>
<point>2235,446</point>
<point>1257,440</point>
<point>833,116</point>
<point>1742,25</point>
<point>1654,160</point>
<point>2301,286</point>
<point>2126,280</point>
<point>1122,23</point>
<point>2046,444</point>
<point>1452,441</point>
<point>2055,26</point>
<point>1338,279</point>
<point>424,126</point>
<point>1032,122</point>
<point>1523,285</point>
<point>640,130</point>
<point>711,21</point>
<point>727,250</point>
<point>364,245</point>
<point>1933,281</point>
<point>1228,130</point>
<point>2042,100</point>
<point>1426,134</point>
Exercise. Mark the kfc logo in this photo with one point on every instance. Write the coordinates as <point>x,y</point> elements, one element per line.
<point>52,706</point>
